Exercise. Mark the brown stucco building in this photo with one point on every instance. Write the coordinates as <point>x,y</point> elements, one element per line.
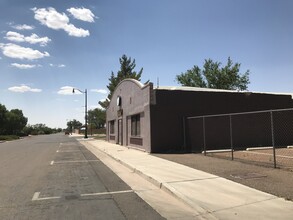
<point>152,119</point>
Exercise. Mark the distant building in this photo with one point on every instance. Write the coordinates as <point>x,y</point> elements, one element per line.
<point>152,119</point>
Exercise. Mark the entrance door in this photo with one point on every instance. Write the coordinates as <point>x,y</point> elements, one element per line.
<point>120,132</point>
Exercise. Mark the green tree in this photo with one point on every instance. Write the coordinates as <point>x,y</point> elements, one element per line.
<point>15,121</point>
<point>214,76</point>
<point>97,117</point>
<point>39,129</point>
<point>73,124</point>
<point>3,112</point>
<point>127,66</point>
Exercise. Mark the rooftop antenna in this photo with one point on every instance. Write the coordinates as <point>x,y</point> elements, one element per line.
<point>158,82</point>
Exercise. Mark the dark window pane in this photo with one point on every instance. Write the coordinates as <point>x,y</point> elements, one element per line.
<point>135,125</point>
<point>111,124</point>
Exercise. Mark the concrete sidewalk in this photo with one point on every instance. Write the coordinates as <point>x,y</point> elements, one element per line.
<point>211,196</point>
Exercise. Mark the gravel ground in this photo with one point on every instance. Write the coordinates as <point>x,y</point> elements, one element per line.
<point>274,181</point>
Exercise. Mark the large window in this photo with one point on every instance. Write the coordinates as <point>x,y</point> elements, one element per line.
<point>135,125</point>
<point>112,125</point>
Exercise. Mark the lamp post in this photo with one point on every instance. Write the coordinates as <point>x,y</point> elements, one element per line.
<point>85,106</point>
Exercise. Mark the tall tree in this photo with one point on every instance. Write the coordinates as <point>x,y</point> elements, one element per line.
<point>97,117</point>
<point>74,124</point>
<point>127,66</point>
<point>15,121</point>
<point>3,112</point>
<point>214,76</point>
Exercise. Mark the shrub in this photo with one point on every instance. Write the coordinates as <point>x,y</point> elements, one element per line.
<point>8,137</point>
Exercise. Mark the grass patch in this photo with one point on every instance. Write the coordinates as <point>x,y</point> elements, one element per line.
<point>8,137</point>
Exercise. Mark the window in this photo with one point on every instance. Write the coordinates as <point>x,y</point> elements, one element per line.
<point>135,125</point>
<point>112,130</point>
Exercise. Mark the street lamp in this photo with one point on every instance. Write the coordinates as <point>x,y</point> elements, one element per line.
<point>85,106</point>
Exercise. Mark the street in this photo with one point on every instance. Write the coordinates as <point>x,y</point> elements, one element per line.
<point>55,177</point>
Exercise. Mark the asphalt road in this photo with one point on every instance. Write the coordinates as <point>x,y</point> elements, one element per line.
<point>55,177</point>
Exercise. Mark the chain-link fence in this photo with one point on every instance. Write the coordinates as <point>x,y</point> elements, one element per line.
<point>258,137</point>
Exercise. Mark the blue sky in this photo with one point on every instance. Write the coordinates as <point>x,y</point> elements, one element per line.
<point>47,46</point>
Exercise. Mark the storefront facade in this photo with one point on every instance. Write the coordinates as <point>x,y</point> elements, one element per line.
<point>128,115</point>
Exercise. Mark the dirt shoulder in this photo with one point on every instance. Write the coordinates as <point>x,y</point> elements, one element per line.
<point>274,181</point>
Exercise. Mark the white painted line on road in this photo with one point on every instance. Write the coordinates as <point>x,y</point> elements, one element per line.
<point>106,193</point>
<point>67,151</point>
<point>37,195</point>
<point>73,161</point>
<point>52,162</point>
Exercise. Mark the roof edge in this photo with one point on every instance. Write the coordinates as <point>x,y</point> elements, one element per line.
<point>199,89</point>
<point>138,83</point>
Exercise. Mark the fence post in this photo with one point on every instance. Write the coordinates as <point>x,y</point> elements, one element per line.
<point>231,137</point>
<point>204,136</point>
<point>273,140</point>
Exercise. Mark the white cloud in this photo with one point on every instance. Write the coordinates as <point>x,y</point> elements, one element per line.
<point>76,32</point>
<point>33,39</point>
<point>24,66</point>
<point>13,36</point>
<point>67,90</point>
<point>23,88</point>
<point>83,14</point>
<point>51,18</point>
<point>102,91</point>
<point>57,21</point>
<point>18,52</point>
<point>59,65</point>
<point>23,27</point>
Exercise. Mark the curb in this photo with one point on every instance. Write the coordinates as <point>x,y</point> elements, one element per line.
<point>173,192</point>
